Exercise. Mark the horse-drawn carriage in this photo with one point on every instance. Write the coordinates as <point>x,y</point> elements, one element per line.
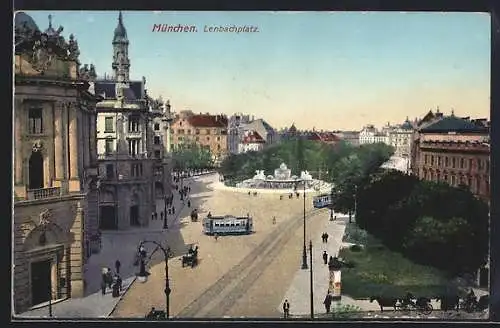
<point>191,258</point>
<point>194,215</point>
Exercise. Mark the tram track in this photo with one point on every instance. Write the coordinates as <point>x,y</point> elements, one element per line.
<point>217,299</point>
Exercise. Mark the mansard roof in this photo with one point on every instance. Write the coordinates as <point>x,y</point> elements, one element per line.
<point>453,123</point>
<point>107,88</point>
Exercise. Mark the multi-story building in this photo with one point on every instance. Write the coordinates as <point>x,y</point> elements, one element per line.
<point>369,135</point>
<point>251,141</point>
<point>55,167</point>
<point>205,130</point>
<point>125,143</point>
<point>401,137</point>
<point>351,137</point>
<point>456,151</point>
<point>236,129</point>
<point>264,129</point>
<point>161,147</point>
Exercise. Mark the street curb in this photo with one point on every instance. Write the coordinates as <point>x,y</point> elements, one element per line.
<point>129,286</point>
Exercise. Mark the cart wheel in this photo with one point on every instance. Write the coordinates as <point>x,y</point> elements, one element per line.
<point>427,309</point>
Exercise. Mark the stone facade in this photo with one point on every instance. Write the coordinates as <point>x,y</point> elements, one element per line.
<point>131,164</point>
<point>55,167</point>
<point>205,130</point>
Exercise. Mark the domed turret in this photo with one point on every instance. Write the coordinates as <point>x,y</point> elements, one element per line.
<point>50,30</point>
<point>23,20</point>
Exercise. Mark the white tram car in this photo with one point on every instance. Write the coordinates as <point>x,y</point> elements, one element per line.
<point>228,224</point>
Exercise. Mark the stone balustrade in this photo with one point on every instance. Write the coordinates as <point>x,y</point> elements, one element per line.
<point>43,193</point>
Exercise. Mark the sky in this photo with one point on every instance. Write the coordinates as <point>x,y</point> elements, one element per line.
<point>322,70</point>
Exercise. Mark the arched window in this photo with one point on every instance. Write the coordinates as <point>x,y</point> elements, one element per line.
<point>35,172</point>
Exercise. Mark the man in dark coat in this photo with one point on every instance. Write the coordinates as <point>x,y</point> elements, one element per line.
<point>326,237</point>
<point>117,266</point>
<point>286,309</point>
<point>325,257</point>
<point>328,302</point>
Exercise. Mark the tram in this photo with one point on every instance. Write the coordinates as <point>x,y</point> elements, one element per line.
<point>228,224</point>
<point>323,200</point>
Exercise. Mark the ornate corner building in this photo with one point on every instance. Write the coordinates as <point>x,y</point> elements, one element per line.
<point>55,166</point>
<point>126,144</point>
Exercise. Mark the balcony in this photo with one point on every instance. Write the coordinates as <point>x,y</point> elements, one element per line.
<point>43,193</point>
<point>115,156</point>
<point>134,135</point>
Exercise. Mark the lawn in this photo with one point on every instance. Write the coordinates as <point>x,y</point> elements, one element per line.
<point>378,271</point>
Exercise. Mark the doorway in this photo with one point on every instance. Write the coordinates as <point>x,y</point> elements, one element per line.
<point>36,170</point>
<point>134,215</point>
<point>41,284</point>
<point>107,220</point>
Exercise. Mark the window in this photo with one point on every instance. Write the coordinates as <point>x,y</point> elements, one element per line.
<point>426,159</point>
<point>218,138</point>
<point>462,163</point>
<point>157,140</point>
<point>136,170</point>
<point>439,161</point>
<point>157,154</point>
<point>133,124</point>
<point>179,138</point>
<point>453,162</point>
<point>197,138</point>
<point>461,180</point>
<point>197,131</point>
<point>218,146</point>
<point>133,147</point>
<point>470,164</point>
<point>180,131</point>
<point>109,146</point>
<point>445,178</point>
<point>438,177</point>
<point>469,182</point>
<point>453,180</point>
<point>108,124</point>
<point>479,164</point>
<point>208,138</point>
<point>446,161</point>
<point>207,131</point>
<point>432,159</point>
<point>157,126</point>
<point>110,171</point>
<point>188,131</point>
<point>35,121</point>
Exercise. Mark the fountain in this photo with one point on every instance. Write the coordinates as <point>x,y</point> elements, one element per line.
<point>282,179</point>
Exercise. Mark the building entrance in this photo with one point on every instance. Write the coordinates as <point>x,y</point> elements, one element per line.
<point>107,220</point>
<point>134,215</point>
<point>40,282</point>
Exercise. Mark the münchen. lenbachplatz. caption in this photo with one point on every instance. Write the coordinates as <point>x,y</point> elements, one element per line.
<point>231,28</point>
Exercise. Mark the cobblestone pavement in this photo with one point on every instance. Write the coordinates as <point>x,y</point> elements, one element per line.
<point>195,292</point>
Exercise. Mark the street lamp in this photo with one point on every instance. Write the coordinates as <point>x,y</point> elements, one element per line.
<point>331,204</point>
<point>304,251</point>
<point>166,254</point>
<point>165,221</point>
<point>311,289</point>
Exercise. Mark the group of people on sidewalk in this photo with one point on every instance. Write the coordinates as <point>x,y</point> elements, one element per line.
<point>113,282</point>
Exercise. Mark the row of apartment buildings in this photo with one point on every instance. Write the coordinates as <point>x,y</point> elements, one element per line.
<point>89,154</point>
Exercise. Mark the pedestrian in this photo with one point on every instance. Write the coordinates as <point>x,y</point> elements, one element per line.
<point>173,210</point>
<point>161,215</point>
<point>326,237</point>
<point>328,302</point>
<point>216,236</point>
<point>152,216</point>
<point>103,285</point>
<point>156,215</point>
<point>109,277</point>
<point>323,237</point>
<point>274,220</point>
<point>286,309</point>
<point>281,197</point>
<point>119,282</point>
<point>117,266</point>
<point>298,195</point>
<point>325,257</point>
<point>189,203</point>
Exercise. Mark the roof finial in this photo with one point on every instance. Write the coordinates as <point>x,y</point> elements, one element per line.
<point>437,109</point>
<point>120,18</point>
<point>50,21</point>
<point>452,112</point>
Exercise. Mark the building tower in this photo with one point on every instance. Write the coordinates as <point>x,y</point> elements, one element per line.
<point>121,61</point>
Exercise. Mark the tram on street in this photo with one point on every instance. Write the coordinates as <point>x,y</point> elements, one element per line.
<point>323,200</point>
<point>228,224</point>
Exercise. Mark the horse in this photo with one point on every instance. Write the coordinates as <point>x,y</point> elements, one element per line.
<point>385,302</point>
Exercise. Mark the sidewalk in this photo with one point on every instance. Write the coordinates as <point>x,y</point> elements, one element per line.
<point>299,292</point>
